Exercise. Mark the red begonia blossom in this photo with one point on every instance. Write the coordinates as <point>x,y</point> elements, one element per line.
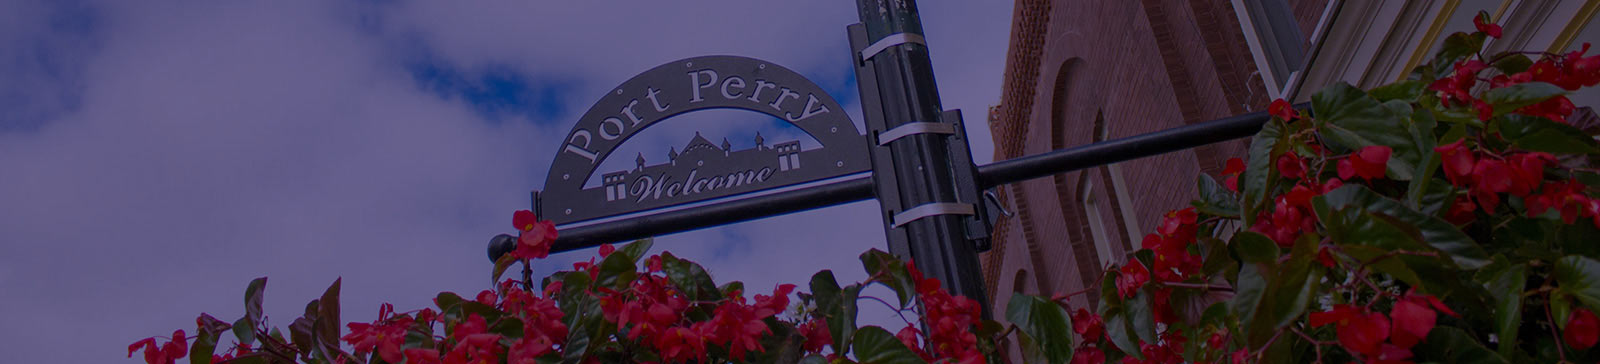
<point>816,334</point>
<point>1566,197</point>
<point>1485,25</point>
<point>535,236</point>
<point>1370,162</point>
<point>1231,171</point>
<point>422,356</point>
<point>1415,315</point>
<point>1281,109</point>
<point>1134,275</point>
<point>1291,166</point>
<point>1088,325</point>
<point>1359,331</point>
<point>1458,161</point>
<point>386,334</point>
<point>1582,329</point>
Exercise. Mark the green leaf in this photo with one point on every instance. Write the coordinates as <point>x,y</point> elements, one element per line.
<point>874,345</point>
<point>244,331</point>
<point>507,326</point>
<point>1434,231</point>
<point>200,352</point>
<point>637,249</point>
<point>500,266</point>
<point>885,268</point>
<point>1506,286</point>
<point>1512,63</point>
<point>617,271</point>
<point>327,323</point>
<point>1579,276</point>
<point>1215,199</point>
<point>1543,135</point>
<point>837,306</point>
<point>1140,313</point>
<point>1403,90</point>
<point>1447,344</point>
<point>1510,98</point>
<point>1394,265</point>
<point>1456,47</point>
<point>690,278</point>
<point>1247,291</point>
<point>1289,291</point>
<point>1421,130</point>
<point>1045,323</point>
<point>1252,247</point>
<point>253,295</point>
<point>731,287</point>
<point>1119,330</point>
<point>1258,171</point>
<point>1349,117</point>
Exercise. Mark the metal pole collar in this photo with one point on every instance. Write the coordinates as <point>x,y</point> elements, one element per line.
<point>913,128</point>
<point>890,41</point>
<point>932,209</point>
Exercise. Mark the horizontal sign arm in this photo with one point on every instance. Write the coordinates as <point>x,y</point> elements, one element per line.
<point>990,175</point>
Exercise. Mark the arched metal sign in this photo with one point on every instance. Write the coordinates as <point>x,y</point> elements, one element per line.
<point>701,169</point>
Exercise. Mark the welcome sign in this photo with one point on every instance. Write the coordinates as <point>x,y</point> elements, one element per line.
<point>701,169</point>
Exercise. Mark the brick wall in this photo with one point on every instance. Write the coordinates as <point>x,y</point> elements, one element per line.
<point>1146,65</point>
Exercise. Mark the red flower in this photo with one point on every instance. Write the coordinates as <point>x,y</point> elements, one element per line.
<point>1527,171</point>
<point>681,345</point>
<point>1088,325</point>
<point>1461,211</point>
<point>1325,258</point>
<point>1567,197</point>
<point>1291,166</point>
<point>166,354</point>
<point>1458,161</point>
<point>1089,355</point>
<point>1555,108</point>
<point>1484,25</point>
<point>1485,111</point>
<point>1359,331</point>
<point>1231,170</point>
<point>1134,275</point>
<point>908,336</point>
<point>1491,177</point>
<point>1412,321</point>
<point>535,236</point>
<point>606,250</point>
<point>1582,329</point>
<point>816,334</point>
<point>422,356</point>
<point>1369,162</point>
<point>385,334</point>
<point>1281,109</point>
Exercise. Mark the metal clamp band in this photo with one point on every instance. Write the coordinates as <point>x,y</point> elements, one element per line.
<point>890,41</point>
<point>912,128</point>
<point>932,209</point>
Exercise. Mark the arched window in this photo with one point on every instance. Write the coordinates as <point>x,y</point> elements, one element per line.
<point>1080,237</point>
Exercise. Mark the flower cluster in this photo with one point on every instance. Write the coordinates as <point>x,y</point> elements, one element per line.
<point>1383,338</point>
<point>950,321</point>
<point>164,354</point>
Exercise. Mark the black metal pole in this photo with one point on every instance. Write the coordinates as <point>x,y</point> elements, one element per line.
<point>1122,149</point>
<point>901,91</point>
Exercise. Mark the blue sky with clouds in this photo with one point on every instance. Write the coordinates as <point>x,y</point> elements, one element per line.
<point>156,156</point>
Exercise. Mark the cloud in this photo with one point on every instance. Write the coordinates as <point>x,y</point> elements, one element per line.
<point>169,153</point>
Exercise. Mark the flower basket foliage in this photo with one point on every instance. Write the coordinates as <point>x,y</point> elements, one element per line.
<point>1451,217</point>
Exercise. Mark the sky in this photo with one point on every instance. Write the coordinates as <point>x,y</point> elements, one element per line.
<point>157,156</point>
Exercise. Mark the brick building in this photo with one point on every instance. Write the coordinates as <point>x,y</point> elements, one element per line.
<point>1080,72</point>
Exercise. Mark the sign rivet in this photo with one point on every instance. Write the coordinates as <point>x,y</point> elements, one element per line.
<point>762,66</point>
<point>700,163</point>
<point>566,177</point>
<point>838,164</point>
<point>569,211</point>
<point>688,64</point>
<point>619,91</point>
<point>833,129</point>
